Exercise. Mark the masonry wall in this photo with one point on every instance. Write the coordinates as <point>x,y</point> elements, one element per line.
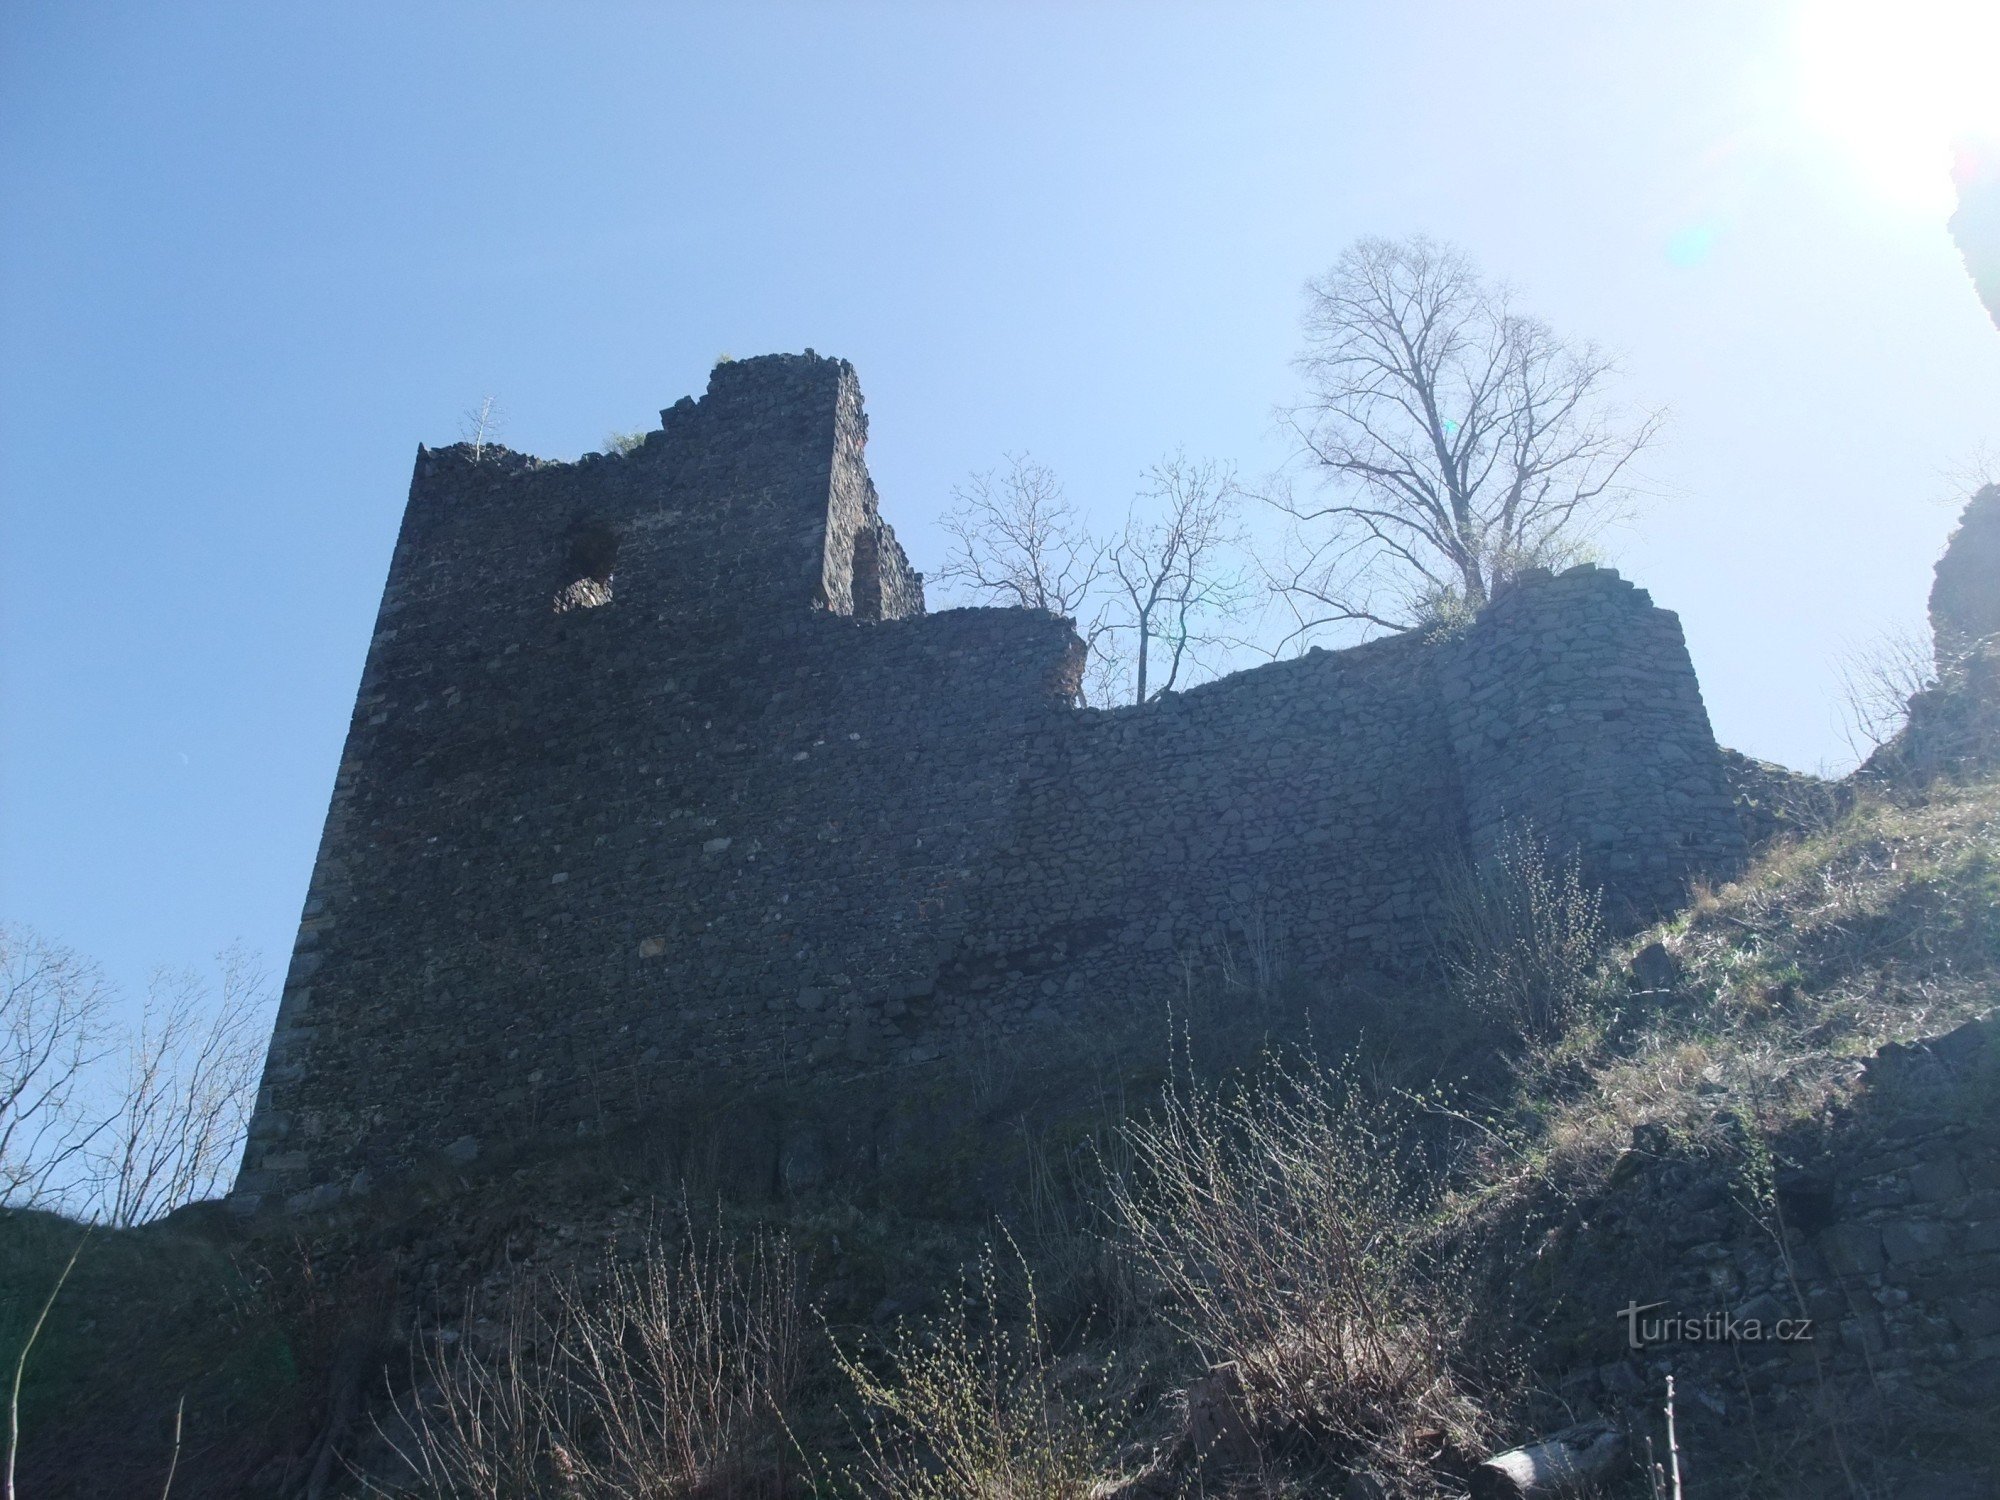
<point>1289,816</point>
<point>1887,1241</point>
<point>1574,709</point>
<point>660,778</point>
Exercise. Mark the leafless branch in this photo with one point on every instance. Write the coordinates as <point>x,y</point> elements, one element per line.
<point>53,1030</point>
<point>1877,681</point>
<point>1148,605</point>
<point>1017,540</point>
<point>482,425</point>
<point>190,1076</point>
<point>1177,570</point>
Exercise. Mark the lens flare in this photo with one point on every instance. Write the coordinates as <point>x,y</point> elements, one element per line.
<point>1892,84</point>
<point>1690,246</point>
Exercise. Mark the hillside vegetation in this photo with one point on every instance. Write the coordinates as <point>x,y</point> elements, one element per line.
<point>1284,1240</point>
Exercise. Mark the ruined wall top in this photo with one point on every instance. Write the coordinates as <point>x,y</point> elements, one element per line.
<point>743,510</point>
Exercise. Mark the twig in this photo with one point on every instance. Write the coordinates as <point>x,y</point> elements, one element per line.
<point>21,1364</point>
<point>174,1463</point>
<point>1673,1443</point>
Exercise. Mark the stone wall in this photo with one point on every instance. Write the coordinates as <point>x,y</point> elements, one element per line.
<point>660,778</point>
<point>1573,708</point>
<point>1880,1255</point>
<point>1297,815</point>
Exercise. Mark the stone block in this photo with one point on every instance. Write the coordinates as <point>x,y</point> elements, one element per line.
<point>314,1199</point>
<point>1852,1249</point>
<point>1862,1334</point>
<point>1976,1316</point>
<point>1936,1181</point>
<point>1915,1241</point>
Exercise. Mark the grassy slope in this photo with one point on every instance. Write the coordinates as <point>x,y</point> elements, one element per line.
<point>1882,929</point>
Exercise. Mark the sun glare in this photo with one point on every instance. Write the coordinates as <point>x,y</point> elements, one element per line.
<point>1894,83</point>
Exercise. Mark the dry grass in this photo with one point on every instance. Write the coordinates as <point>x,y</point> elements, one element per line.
<point>660,1378</point>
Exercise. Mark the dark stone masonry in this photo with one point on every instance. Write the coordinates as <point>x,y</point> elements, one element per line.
<point>661,778</point>
<point>1882,1254</point>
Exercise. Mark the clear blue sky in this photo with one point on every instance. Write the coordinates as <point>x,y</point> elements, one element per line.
<point>252,255</point>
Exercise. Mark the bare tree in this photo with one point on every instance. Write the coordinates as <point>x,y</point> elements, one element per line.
<point>1978,469</point>
<point>481,425</point>
<point>1461,441</point>
<point>52,1033</point>
<point>190,1077</point>
<point>1176,573</point>
<point>1017,540</point>
<point>1148,604</point>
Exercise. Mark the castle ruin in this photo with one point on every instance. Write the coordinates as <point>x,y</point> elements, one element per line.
<point>661,776</point>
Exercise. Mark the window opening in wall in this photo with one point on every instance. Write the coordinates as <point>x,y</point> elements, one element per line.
<point>867,574</point>
<point>588,565</point>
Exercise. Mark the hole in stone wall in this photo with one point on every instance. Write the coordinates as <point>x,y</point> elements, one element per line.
<point>867,574</point>
<point>588,564</point>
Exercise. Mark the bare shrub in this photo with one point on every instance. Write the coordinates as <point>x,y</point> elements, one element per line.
<point>1519,936</point>
<point>53,1032</point>
<point>966,1406</point>
<point>475,1426</point>
<point>666,1376</point>
<point>1877,681</point>
<point>1291,1220</point>
<point>120,1130</point>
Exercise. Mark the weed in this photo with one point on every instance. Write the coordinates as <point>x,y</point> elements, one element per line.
<point>1519,936</point>
<point>969,1407</point>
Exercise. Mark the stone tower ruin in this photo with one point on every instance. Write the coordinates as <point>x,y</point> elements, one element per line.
<point>661,777</point>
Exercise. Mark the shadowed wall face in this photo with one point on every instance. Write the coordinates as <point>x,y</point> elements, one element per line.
<point>660,778</point>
